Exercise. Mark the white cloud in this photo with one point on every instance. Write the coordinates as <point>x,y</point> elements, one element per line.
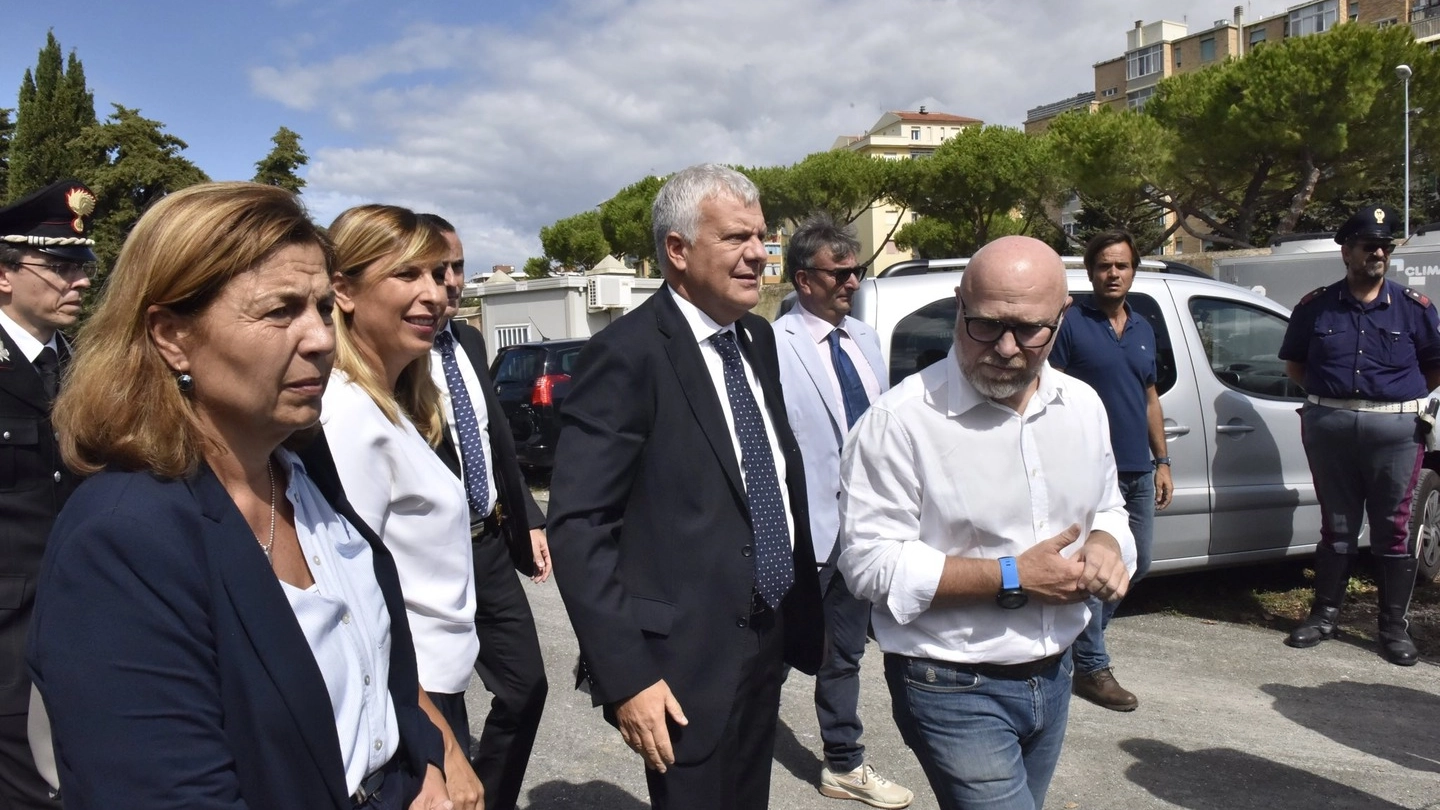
<point>503,131</point>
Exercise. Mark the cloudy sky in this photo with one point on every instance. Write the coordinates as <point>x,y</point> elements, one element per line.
<point>504,116</point>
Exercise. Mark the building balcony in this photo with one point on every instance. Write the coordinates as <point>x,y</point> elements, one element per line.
<point>1425,30</point>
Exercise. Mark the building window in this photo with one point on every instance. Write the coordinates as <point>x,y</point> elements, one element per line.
<point>1109,91</point>
<point>1145,61</point>
<point>1257,36</point>
<point>1387,23</point>
<point>1207,49</point>
<point>1137,99</point>
<point>1312,19</point>
<point>914,133</point>
<point>511,335</point>
<point>1354,10</point>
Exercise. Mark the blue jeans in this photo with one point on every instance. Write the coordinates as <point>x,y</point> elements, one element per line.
<point>1138,490</point>
<point>985,743</point>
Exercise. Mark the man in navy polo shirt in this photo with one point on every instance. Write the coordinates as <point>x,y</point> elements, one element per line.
<point>1103,343</point>
<point>1367,351</point>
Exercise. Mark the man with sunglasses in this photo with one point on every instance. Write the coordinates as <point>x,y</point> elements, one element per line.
<point>1367,351</point>
<point>979,512</point>
<point>831,367</point>
<point>45,267</point>
<point>1105,345</point>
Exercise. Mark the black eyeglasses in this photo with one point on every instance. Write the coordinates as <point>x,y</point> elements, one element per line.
<point>65,269</point>
<point>1371,247</point>
<point>842,275</point>
<point>1027,335</point>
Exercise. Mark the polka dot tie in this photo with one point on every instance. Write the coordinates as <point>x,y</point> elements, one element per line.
<point>774,565</point>
<point>472,449</point>
<point>851,388</point>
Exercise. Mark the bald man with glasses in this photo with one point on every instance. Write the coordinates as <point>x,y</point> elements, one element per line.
<point>979,513</point>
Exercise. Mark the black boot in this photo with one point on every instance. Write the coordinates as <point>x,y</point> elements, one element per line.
<point>1396,580</point>
<point>1332,574</point>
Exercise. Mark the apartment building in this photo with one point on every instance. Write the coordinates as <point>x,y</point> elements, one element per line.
<point>898,135</point>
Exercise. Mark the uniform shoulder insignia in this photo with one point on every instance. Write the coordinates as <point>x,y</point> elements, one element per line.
<point>1418,298</point>
<point>1310,296</point>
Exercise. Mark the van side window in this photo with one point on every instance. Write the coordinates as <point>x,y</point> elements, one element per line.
<point>1147,308</point>
<point>1242,343</point>
<point>922,337</point>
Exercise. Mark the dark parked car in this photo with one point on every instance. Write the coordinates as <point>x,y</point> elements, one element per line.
<point>531,380</point>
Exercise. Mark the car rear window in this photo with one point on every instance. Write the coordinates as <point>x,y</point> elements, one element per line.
<point>520,365</point>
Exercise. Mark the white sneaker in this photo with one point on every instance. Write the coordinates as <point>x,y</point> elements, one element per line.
<point>864,784</point>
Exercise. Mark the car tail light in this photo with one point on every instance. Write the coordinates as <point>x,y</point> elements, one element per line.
<point>544,391</point>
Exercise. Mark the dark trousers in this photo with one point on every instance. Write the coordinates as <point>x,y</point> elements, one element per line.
<point>21,787</point>
<point>736,776</point>
<point>512,670</point>
<point>837,684</point>
<point>452,708</point>
<point>1365,466</point>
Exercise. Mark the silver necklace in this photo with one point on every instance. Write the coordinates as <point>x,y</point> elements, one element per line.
<point>266,547</point>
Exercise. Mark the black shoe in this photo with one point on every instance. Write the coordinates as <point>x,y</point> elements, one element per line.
<point>1321,625</point>
<point>1396,581</point>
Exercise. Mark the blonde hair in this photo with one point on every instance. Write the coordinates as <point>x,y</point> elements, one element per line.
<point>120,406</point>
<point>362,237</point>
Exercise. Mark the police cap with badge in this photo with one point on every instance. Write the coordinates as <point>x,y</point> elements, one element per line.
<point>54,220</point>
<point>1378,222</point>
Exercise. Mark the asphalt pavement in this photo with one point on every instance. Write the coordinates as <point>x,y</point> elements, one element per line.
<point>1229,719</point>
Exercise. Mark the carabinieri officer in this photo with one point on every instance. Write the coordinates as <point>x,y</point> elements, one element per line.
<point>1367,351</point>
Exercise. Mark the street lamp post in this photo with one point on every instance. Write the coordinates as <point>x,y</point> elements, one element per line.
<point>1403,73</point>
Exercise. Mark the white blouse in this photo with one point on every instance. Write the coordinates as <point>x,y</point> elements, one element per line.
<point>405,493</point>
<point>347,625</point>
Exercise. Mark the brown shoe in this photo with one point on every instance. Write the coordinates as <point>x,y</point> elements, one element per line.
<point>1101,688</point>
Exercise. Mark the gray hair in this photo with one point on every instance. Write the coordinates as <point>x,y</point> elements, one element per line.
<point>819,232</point>
<point>677,206</point>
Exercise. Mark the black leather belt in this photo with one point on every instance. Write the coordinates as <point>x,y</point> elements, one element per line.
<point>1012,672</point>
<point>369,787</point>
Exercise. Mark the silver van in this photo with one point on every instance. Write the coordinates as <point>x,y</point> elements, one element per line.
<point>1243,491</point>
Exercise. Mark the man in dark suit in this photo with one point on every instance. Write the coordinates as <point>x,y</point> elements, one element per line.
<point>45,266</point>
<point>508,534</point>
<point>678,515</point>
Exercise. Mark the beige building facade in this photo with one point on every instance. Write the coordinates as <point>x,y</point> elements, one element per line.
<point>898,135</point>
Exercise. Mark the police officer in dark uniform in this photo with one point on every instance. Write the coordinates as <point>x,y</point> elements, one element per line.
<point>1367,351</point>
<point>45,266</point>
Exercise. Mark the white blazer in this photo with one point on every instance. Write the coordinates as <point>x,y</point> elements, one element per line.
<point>817,419</point>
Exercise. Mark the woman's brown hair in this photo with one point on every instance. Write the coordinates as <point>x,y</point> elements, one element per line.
<point>120,406</point>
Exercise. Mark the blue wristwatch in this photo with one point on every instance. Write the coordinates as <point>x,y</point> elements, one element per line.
<point>1011,595</point>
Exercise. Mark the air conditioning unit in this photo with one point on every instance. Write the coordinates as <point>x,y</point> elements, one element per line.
<point>609,292</point>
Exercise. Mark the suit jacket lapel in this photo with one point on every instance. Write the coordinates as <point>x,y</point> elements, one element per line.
<point>19,378</point>
<point>871,349</point>
<point>695,382</point>
<point>808,351</point>
<point>262,607</point>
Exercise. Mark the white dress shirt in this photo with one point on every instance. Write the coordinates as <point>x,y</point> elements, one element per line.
<point>346,622</point>
<point>819,331</point>
<point>705,328</point>
<point>406,494</point>
<point>936,469</point>
<point>477,401</point>
<point>26,342</point>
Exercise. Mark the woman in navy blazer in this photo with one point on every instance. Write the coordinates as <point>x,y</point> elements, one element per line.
<point>214,627</point>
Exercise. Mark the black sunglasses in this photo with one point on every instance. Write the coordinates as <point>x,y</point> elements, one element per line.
<point>1370,247</point>
<point>1027,335</point>
<point>842,275</point>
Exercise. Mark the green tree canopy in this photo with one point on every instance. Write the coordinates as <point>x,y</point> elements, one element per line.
<point>7,135</point>
<point>1259,141</point>
<point>575,243</point>
<point>983,183</point>
<point>1110,160</point>
<point>536,267</point>
<point>278,167</point>
<point>625,220</point>
<point>142,163</point>
<point>55,107</point>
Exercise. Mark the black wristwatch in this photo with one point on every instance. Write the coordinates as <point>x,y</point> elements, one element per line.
<point>1161,460</point>
<point>1011,595</point>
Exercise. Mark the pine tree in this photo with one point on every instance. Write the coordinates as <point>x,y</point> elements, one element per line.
<point>55,107</point>
<point>278,167</point>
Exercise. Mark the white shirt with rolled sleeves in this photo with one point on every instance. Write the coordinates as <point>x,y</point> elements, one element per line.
<point>936,469</point>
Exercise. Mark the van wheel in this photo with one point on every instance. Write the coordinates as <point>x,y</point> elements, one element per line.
<point>1425,524</point>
